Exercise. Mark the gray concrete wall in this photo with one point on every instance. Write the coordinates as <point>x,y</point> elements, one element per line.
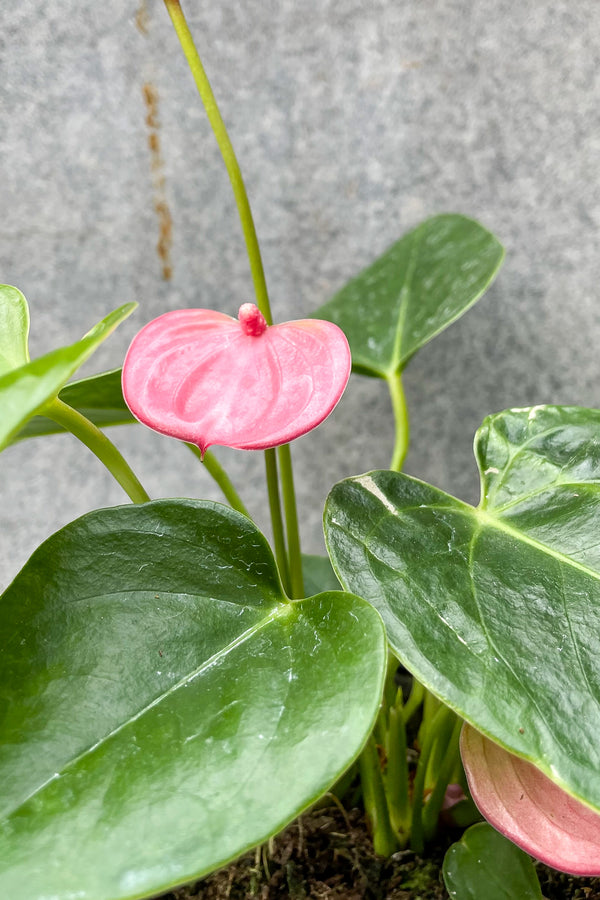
<point>353,120</point>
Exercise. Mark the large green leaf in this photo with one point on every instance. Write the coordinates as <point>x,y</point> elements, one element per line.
<point>420,285</point>
<point>483,865</point>
<point>99,398</point>
<point>495,609</point>
<point>14,328</point>
<point>166,707</point>
<point>26,389</point>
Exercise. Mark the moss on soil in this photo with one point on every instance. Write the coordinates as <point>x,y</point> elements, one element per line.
<point>327,855</point>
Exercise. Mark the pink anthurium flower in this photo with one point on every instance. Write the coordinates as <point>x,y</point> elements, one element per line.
<point>207,378</point>
<point>523,804</point>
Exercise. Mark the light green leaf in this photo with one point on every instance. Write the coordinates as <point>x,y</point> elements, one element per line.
<point>166,706</point>
<point>14,328</point>
<point>484,865</point>
<point>99,398</point>
<point>495,609</point>
<point>24,391</point>
<point>420,285</point>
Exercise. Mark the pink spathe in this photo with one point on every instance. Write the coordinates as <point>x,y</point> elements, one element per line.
<point>535,813</point>
<point>204,377</point>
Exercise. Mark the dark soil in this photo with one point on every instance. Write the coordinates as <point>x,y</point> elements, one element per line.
<point>327,854</point>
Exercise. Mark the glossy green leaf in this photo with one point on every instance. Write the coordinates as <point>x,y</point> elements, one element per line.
<point>14,328</point>
<point>99,398</point>
<point>318,574</point>
<point>420,285</point>
<point>495,609</point>
<point>25,390</point>
<point>165,706</point>
<point>484,865</point>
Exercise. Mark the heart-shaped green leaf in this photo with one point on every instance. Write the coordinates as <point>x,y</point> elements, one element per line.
<point>99,398</point>
<point>495,609</point>
<point>14,328</point>
<point>25,390</point>
<point>420,285</point>
<point>483,865</point>
<point>166,706</point>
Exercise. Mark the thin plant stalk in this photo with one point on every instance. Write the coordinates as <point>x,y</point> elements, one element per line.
<point>379,788</point>
<point>432,810</point>
<point>220,476</point>
<point>262,297</point>
<point>402,425</point>
<point>291,521</point>
<point>431,706</point>
<point>277,520</point>
<point>227,152</point>
<point>414,701</point>
<point>95,440</point>
<point>396,780</point>
<point>390,688</point>
<point>375,802</point>
<point>439,731</point>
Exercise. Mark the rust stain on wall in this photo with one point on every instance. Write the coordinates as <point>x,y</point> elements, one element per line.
<point>141,17</point>
<point>165,221</point>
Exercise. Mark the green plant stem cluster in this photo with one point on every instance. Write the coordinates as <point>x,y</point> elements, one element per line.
<point>402,806</point>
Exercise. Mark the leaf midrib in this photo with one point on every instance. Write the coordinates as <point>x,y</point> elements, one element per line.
<point>514,454</point>
<point>280,610</point>
<point>494,522</point>
<point>405,295</point>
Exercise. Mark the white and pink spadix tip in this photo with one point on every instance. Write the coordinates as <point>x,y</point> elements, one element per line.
<point>204,377</point>
<point>534,812</point>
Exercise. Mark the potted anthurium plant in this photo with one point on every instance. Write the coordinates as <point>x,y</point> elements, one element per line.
<point>174,692</point>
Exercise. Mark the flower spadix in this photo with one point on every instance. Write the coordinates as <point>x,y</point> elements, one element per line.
<point>524,805</point>
<point>207,378</point>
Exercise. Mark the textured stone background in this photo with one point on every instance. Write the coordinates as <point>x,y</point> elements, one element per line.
<point>353,121</point>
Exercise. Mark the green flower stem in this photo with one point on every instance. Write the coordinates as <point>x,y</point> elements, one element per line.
<point>401,421</point>
<point>260,288</point>
<point>291,521</point>
<point>437,756</point>
<point>390,692</point>
<point>72,420</point>
<point>276,520</point>
<point>376,809</point>
<point>390,688</point>
<point>396,781</point>
<point>414,701</point>
<point>433,807</point>
<point>218,473</point>
<point>439,730</point>
<point>380,727</point>
<point>227,152</point>
<point>431,705</point>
